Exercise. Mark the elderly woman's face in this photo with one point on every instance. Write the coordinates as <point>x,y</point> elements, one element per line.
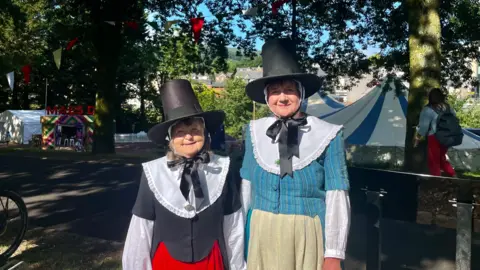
<point>283,98</point>
<point>188,138</point>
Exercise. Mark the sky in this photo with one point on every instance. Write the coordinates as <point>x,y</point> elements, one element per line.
<point>259,42</point>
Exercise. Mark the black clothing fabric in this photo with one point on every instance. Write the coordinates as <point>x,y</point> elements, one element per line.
<point>287,141</point>
<point>189,240</point>
<point>190,173</point>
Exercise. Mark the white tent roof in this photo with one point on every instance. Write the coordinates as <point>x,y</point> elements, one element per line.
<point>28,116</point>
<point>379,119</point>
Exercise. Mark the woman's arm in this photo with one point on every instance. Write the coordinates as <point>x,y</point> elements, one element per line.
<point>337,218</point>
<point>136,253</point>
<point>246,196</point>
<point>424,122</point>
<point>234,230</point>
<point>337,223</point>
<point>234,220</point>
<point>246,173</point>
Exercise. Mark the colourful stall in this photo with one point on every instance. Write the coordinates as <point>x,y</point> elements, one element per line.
<point>67,130</point>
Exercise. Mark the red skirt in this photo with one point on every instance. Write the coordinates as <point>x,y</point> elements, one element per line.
<point>163,261</point>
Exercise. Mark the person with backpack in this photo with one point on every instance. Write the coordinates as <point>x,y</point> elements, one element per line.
<point>439,124</point>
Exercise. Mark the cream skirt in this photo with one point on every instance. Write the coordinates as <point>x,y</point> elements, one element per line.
<point>284,242</point>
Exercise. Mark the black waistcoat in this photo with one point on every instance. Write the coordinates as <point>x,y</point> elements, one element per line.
<point>189,240</point>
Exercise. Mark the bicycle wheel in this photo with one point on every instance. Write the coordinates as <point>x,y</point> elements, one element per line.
<point>11,217</point>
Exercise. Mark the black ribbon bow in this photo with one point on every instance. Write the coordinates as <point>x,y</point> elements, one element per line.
<point>190,173</point>
<point>287,141</point>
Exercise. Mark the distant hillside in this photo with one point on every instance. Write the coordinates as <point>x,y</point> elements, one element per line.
<point>235,61</point>
<point>232,55</point>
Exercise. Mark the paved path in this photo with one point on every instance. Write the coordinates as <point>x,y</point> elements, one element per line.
<point>95,199</point>
<point>69,193</point>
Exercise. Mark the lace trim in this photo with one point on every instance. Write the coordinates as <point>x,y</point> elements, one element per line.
<point>183,212</point>
<point>223,177</point>
<point>302,163</point>
<point>318,152</point>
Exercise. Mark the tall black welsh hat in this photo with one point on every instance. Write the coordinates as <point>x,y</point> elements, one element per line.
<point>280,63</point>
<point>179,102</point>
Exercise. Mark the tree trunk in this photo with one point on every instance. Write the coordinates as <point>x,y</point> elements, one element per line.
<point>424,49</point>
<point>119,116</point>
<point>25,103</point>
<point>15,93</point>
<point>163,79</point>
<point>143,118</point>
<point>107,42</point>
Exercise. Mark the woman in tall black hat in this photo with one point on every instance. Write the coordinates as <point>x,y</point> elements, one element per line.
<point>188,213</point>
<point>295,183</point>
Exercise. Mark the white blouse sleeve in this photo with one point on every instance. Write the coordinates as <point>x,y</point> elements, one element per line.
<point>234,230</point>
<point>246,196</point>
<point>337,223</point>
<point>136,253</point>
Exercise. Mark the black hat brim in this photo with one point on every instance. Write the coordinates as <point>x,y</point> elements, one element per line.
<point>213,121</point>
<point>310,82</point>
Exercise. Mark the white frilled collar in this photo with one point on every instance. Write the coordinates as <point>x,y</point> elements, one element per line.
<point>313,139</point>
<point>165,184</point>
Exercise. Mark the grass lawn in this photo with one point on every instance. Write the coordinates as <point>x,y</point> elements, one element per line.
<point>45,249</point>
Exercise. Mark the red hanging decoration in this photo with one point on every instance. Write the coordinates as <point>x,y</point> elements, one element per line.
<point>197,24</point>
<point>71,43</point>
<point>132,24</point>
<point>277,4</point>
<point>26,73</point>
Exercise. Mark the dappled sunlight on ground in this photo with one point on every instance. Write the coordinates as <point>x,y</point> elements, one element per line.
<point>50,249</point>
<point>59,191</point>
<point>123,151</point>
<point>60,174</point>
<point>4,175</point>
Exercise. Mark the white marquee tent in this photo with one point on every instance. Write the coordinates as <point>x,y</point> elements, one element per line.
<point>22,124</point>
<point>378,121</point>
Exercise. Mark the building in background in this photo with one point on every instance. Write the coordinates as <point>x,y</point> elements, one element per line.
<point>248,74</point>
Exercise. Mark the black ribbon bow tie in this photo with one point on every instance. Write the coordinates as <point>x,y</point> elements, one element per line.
<point>190,173</point>
<point>287,141</point>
